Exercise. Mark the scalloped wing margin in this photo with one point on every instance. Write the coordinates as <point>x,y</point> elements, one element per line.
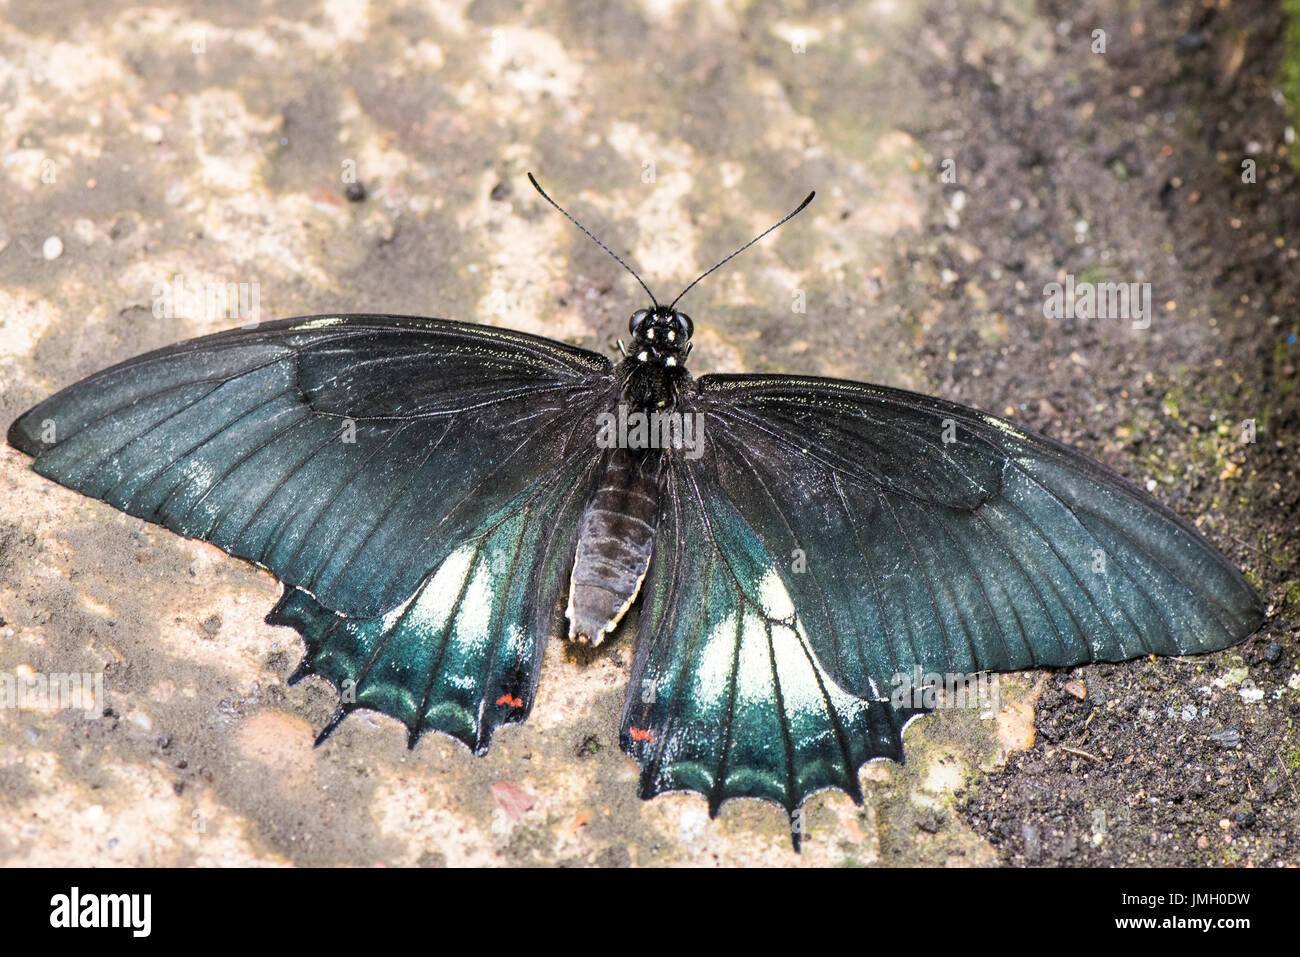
<point>727,697</point>
<point>462,655</point>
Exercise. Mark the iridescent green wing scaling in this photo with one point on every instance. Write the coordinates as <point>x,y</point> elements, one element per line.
<point>835,536</point>
<point>395,473</point>
<point>463,654</point>
<point>727,694</point>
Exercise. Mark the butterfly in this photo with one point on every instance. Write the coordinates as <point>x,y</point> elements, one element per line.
<point>439,498</point>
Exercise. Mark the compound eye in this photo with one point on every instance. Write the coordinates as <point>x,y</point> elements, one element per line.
<point>685,327</point>
<point>638,320</point>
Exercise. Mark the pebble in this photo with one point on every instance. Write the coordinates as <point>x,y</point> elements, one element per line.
<point>53,248</point>
<point>1227,738</point>
<point>1029,834</point>
<point>1077,688</point>
<point>1273,653</point>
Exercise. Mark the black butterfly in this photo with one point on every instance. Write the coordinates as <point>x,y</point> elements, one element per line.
<point>429,492</point>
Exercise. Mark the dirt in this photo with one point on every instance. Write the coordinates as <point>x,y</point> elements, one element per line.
<point>213,142</point>
<point>1167,762</point>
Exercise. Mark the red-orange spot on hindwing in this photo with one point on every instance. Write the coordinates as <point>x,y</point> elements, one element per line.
<point>511,700</point>
<point>641,734</point>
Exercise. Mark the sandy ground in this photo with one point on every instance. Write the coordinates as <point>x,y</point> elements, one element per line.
<point>965,154</point>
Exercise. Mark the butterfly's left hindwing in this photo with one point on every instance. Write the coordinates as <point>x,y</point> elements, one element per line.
<point>463,654</point>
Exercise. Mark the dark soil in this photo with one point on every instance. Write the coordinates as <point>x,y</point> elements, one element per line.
<point>1159,764</point>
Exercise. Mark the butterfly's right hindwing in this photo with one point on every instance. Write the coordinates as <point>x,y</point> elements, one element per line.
<point>727,697</point>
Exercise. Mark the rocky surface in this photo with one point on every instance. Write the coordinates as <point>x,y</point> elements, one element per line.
<point>354,156</point>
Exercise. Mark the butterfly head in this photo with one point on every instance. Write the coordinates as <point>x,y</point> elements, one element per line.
<point>661,335</point>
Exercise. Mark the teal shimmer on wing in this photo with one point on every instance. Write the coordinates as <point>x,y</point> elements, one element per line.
<point>462,654</point>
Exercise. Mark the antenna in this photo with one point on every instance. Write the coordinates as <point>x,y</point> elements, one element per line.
<point>785,219</point>
<point>617,259</point>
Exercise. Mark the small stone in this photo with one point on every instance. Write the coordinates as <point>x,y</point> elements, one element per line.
<point>1076,688</point>
<point>929,821</point>
<point>152,133</point>
<point>211,625</point>
<point>1227,738</point>
<point>1029,834</point>
<point>513,800</point>
<point>53,248</point>
<point>355,192</point>
<point>1243,818</point>
<point>1273,653</point>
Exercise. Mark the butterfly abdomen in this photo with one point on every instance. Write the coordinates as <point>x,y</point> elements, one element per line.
<point>615,538</point>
